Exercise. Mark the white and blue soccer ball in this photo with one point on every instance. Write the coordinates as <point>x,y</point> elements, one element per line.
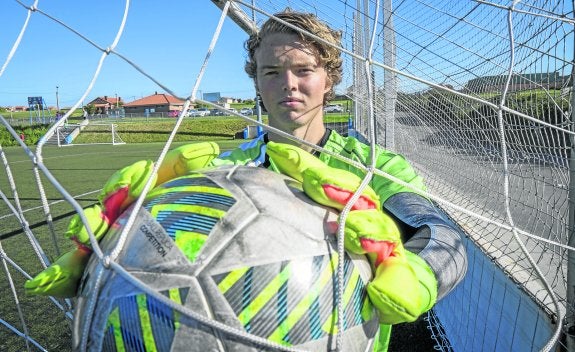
<point>241,246</point>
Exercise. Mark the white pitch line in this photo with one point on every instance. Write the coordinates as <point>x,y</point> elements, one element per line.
<point>50,204</point>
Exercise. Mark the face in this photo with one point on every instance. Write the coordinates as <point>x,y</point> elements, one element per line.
<point>292,85</point>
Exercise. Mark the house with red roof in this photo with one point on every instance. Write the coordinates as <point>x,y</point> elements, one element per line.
<point>104,104</point>
<point>157,102</point>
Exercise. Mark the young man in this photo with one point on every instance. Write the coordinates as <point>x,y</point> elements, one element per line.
<point>295,76</point>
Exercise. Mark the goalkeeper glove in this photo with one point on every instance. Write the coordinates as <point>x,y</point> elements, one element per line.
<point>403,286</point>
<point>61,279</point>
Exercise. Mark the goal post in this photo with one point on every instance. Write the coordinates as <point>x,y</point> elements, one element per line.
<point>88,134</point>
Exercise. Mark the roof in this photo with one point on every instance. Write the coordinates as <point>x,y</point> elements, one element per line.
<point>105,101</point>
<point>156,99</point>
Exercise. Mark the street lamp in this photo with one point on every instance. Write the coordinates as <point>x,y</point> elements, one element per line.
<point>57,102</point>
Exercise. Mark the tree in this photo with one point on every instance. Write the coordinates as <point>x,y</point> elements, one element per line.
<point>441,102</point>
<point>90,108</point>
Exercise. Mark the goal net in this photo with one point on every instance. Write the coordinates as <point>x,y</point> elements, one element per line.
<point>477,95</point>
<point>86,134</point>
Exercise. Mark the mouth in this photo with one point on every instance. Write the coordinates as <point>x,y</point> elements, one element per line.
<point>290,102</point>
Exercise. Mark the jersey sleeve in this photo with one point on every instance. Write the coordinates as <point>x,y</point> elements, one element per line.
<point>386,161</point>
<point>398,167</point>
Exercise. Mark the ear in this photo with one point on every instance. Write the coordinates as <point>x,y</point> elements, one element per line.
<point>256,85</point>
<point>328,85</point>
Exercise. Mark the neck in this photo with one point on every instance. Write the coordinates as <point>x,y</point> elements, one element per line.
<point>309,133</point>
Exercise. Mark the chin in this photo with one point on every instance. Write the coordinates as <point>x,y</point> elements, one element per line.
<point>290,116</point>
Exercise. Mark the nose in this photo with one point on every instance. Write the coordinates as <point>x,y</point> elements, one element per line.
<point>290,81</point>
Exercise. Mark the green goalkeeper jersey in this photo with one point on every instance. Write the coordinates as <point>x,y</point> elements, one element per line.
<point>254,153</point>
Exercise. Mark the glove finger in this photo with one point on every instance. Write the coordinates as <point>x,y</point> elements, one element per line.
<point>61,279</point>
<point>335,187</point>
<point>325,185</point>
<point>124,186</point>
<point>372,224</point>
<point>372,231</point>
<point>291,160</point>
<point>395,292</point>
<point>96,220</point>
<point>190,157</point>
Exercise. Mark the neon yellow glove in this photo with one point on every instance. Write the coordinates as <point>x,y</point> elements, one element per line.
<point>189,157</point>
<point>61,279</point>
<point>403,286</point>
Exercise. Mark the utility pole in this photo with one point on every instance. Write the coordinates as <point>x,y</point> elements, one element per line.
<point>57,101</point>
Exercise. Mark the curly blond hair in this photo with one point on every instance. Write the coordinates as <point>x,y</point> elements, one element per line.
<point>329,57</point>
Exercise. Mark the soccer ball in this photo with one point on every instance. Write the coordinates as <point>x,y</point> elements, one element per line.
<point>243,253</point>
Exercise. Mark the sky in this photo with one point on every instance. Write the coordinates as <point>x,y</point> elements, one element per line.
<point>166,39</point>
<point>438,41</point>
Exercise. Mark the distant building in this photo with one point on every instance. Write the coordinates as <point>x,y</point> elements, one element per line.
<point>227,100</point>
<point>216,98</point>
<point>213,97</point>
<point>550,80</point>
<point>154,103</point>
<point>18,108</point>
<point>104,104</point>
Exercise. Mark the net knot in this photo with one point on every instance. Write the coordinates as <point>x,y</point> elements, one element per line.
<point>106,262</point>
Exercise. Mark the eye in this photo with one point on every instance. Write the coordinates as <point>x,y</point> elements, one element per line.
<point>269,72</point>
<point>306,70</point>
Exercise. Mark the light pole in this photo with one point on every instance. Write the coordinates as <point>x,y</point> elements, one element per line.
<point>57,101</point>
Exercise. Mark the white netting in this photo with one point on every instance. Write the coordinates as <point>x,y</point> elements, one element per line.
<point>476,94</point>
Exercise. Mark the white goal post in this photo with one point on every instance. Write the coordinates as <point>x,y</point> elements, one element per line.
<point>87,133</point>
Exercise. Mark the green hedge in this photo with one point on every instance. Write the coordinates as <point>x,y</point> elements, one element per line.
<point>31,134</point>
<point>141,131</point>
<point>158,130</point>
